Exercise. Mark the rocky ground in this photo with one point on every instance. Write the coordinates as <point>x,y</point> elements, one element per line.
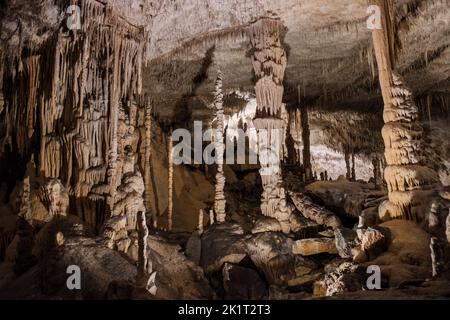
<point>339,239</point>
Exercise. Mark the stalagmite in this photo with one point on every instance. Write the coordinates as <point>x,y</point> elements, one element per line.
<point>147,160</point>
<point>410,183</point>
<point>353,167</point>
<point>211,217</point>
<point>170,184</point>
<point>269,63</point>
<point>306,141</point>
<point>348,174</point>
<point>219,197</point>
<point>145,277</point>
<point>200,221</point>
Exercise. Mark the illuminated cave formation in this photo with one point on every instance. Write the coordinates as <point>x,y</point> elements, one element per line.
<point>329,134</point>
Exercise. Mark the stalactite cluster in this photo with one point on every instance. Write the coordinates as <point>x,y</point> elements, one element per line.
<point>77,94</point>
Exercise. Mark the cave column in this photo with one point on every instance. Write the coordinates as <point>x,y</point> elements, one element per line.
<point>269,62</point>
<point>306,141</point>
<point>219,197</point>
<point>170,183</point>
<point>410,183</point>
<point>147,160</point>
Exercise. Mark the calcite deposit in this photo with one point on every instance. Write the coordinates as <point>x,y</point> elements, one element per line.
<point>313,138</point>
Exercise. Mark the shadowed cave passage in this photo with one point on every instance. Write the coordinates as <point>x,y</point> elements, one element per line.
<point>339,133</point>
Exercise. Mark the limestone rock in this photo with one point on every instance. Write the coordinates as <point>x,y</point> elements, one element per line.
<point>345,241</point>
<point>177,277</point>
<point>343,279</point>
<point>308,247</point>
<point>303,266</point>
<point>266,224</point>
<point>304,280</point>
<point>314,212</point>
<point>408,253</point>
<point>222,243</point>
<point>194,247</point>
<point>373,242</point>
<point>447,229</point>
<point>359,255</point>
<point>272,255</point>
<point>242,283</point>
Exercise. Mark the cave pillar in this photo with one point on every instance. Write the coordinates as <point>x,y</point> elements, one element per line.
<point>269,62</point>
<point>219,197</point>
<point>147,160</point>
<point>170,184</point>
<point>411,185</point>
<point>347,164</point>
<point>306,141</point>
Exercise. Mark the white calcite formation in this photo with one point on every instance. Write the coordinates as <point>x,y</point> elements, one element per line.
<point>80,96</point>
<point>269,63</point>
<point>219,197</point>
<point>409,181</point>
<point>411,184</point>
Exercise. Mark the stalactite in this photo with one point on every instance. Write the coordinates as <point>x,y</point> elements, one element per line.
<point>69,97</point>
<point>269,63</point>
<point>170,183</point>
<point>347,164</point>
<point>410,183</point>
<point>219,197</point>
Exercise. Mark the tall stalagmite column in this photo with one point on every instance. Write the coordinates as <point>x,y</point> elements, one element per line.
<point>147,160</point>
<point>269,62</point>
<point>170,183</point>
<point>410,183</point>
<point>306,142</point>
<point>219,198</point>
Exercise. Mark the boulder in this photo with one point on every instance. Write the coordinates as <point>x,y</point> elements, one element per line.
<point>222,243</point>
<point>303,266</point>
<point>242,283</point>
<point>176,276</point>
<point>447,227</point>
<point>408,255</point>
<point>194,247</point>
<point>314,212</point>
<point>359,255</point>
<point>308,247</point>
<point>374,241</point>
<point>345,240</point>
<point>343,279</point>
<point>266,224</point>
<point>272,255</point>
<point>349,197</point>
<point>304,280</point>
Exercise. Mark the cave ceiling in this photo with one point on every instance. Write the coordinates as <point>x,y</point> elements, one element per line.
<point>330,60</point>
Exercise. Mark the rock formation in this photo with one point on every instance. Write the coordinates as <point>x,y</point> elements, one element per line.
<point>269,62</point>
<point>219,199</point>
<point>97,97</point>
<point>409,181</point>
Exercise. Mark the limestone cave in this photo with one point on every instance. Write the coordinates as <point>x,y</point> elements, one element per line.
<point>224,149</point>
